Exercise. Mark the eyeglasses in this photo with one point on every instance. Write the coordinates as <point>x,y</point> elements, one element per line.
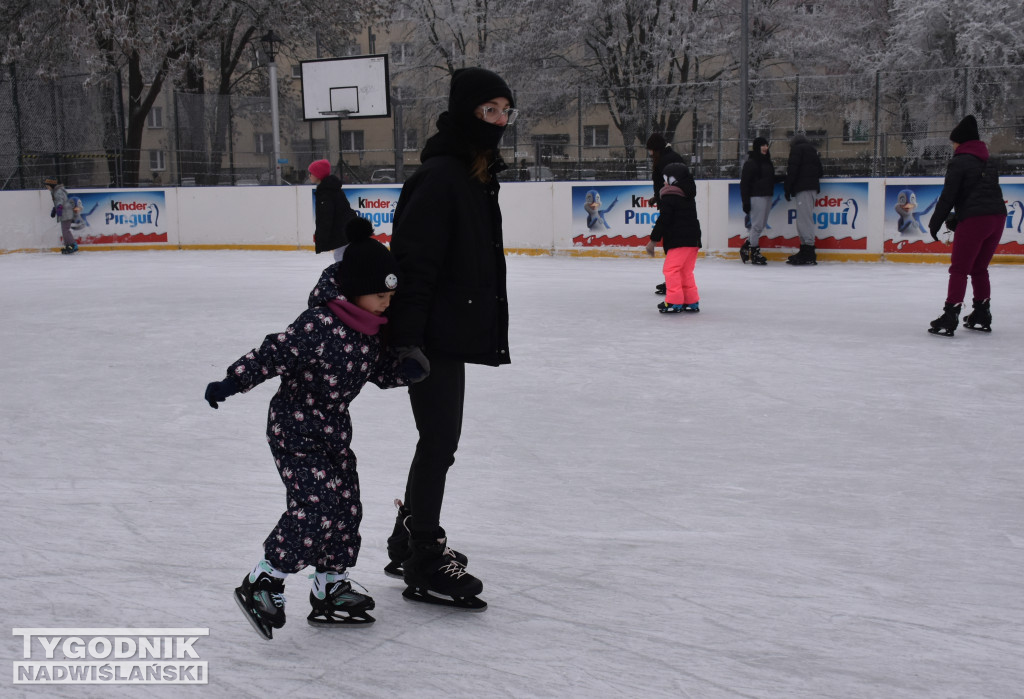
<point>492,114</point>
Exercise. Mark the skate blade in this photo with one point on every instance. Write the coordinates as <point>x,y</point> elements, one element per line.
<point>262,629</point>
<point>321,620</point>
<point>394,570</point>
<point>470,604</point>
<point>979,328</point>
<point>941,332</point>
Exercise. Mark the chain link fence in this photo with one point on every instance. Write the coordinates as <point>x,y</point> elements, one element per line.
<point>880,124</point>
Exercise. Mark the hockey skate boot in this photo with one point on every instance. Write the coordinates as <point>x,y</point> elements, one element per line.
<point>670,307</point>
<point>336,603</point>
<point>691,307</point>
<point>398,544</point>
<point>947,322</point>
<point>745,252</point>
<point>805,256</point>
<point>756,258</point>
<point>261,597</point>
<point>660,289</point>
<point>436,578</point>
<point>980,318</point>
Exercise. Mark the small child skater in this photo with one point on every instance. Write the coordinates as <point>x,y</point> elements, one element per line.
<point>323,358</point>
<point>678,229</point>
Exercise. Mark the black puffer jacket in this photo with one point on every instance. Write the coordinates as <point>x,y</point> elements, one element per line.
<point>666,156</point>
<point>971,186</point>
<point>447,239</point>
<point>677,225</point>
<point>804,171</point>
<point>333,212</point>
<point>757,179</point>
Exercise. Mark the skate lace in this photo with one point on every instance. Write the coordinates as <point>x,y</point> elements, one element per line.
<point>278,599</point>
<point>454,569</point>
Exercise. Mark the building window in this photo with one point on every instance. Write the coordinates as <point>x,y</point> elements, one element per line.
<point>263,142</point>
<point>297,71</point>
<point>155,118</point>
<point>157,161</point>
<point>595,135</point>
<point>764,132</point>
<point>352,140</point>
<point>401,53</point>
<point>412,141</point>
<point>855,131</point>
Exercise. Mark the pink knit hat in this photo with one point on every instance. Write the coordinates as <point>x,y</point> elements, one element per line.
<point>320,169</point>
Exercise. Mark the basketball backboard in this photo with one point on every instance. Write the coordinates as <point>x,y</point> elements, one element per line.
<point>355,87</point>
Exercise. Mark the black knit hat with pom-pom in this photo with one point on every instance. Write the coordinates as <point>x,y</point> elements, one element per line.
<point>367,267</point>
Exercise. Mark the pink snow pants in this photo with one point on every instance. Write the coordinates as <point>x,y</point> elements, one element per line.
<point>680,285</point>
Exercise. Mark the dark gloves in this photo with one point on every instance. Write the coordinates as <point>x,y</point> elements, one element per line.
<point>53,212</point>
<point>788,195</point>
<point>219,391</point>
<point>415,364</point>
<point>59,210</point>
<point>746,220</point>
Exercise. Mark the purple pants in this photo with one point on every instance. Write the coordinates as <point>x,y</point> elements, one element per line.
<point>974,243</point>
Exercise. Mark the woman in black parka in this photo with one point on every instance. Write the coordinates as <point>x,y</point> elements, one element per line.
<point>452,310</point>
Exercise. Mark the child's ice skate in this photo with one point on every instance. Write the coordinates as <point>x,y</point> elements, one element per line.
<point>335,603</point>
<point>670,307</point>
<point>261,597</point>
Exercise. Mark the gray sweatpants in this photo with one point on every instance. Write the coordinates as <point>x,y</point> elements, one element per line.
<point>805,225</point>
<point>759,208</point>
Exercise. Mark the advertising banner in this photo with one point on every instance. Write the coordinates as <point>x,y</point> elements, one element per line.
<point>377,205</point>
<point>908,208</point>
<point>605,215</point>
<point>121,217</point>
<point>839,215</point>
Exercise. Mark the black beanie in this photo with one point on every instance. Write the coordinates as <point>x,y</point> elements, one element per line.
<point>656,142</point>
<point>367,267</point>
<point>966,130</point>
<point>758,142</point>
<point>471,87</point>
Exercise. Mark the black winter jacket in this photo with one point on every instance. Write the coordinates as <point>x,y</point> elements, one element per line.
<point>666,156</point>
<point>757,179</point>
<point>447,239</point>
<point>971,186</point>
<point>677,225</point>
<point>333,212</point>
<point>804,171</point>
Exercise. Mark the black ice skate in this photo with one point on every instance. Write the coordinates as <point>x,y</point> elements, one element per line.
<point>398,544</point>
<point>436,578</point>
<point>262,600</point>
<point>947,322</point>
<point>745,252</point>
<point>660,289</point>
<point>980,318</point>
<point>670,307</point>
<point>756,258</point>
<point>335,603</point>
<point>805,256</point>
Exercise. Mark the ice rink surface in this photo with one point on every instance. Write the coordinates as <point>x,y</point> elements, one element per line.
<point>797,493</point>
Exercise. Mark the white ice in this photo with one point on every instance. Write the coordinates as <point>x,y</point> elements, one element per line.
<point>796,493</point>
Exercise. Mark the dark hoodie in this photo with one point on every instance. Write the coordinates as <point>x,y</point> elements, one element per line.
<point>971,186</point>
<point>758,177</point>
<point>447,238</point>
<point>803,172</point>
<point>333,212</point>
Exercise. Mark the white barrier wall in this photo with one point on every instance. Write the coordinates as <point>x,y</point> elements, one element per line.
<point>860,219</point>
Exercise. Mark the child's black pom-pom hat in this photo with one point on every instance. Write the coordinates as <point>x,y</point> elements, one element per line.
<point>367,267</point>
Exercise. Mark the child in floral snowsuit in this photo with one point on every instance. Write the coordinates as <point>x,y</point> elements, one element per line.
<point>323,358</point>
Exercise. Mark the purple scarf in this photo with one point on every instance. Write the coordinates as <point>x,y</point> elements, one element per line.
<point>355,317</point>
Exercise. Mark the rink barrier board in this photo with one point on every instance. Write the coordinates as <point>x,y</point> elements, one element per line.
<point>540,218</point>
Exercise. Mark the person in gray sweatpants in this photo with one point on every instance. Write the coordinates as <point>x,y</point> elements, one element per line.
<point>803,182</point>
<point>64,212</point>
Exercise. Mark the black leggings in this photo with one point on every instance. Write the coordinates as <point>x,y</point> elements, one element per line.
<point>437,408</point>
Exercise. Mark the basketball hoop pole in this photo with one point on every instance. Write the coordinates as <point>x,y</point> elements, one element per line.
<point>341,114</point>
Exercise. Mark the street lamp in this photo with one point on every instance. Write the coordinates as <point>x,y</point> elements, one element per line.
<point>270,41</point>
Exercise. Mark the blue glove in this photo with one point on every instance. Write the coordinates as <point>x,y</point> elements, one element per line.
<point>219,391</point>
<point>415,364</point>
<point>60,209</point>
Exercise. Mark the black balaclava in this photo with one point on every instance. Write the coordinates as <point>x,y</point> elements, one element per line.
<point>470,88</point>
